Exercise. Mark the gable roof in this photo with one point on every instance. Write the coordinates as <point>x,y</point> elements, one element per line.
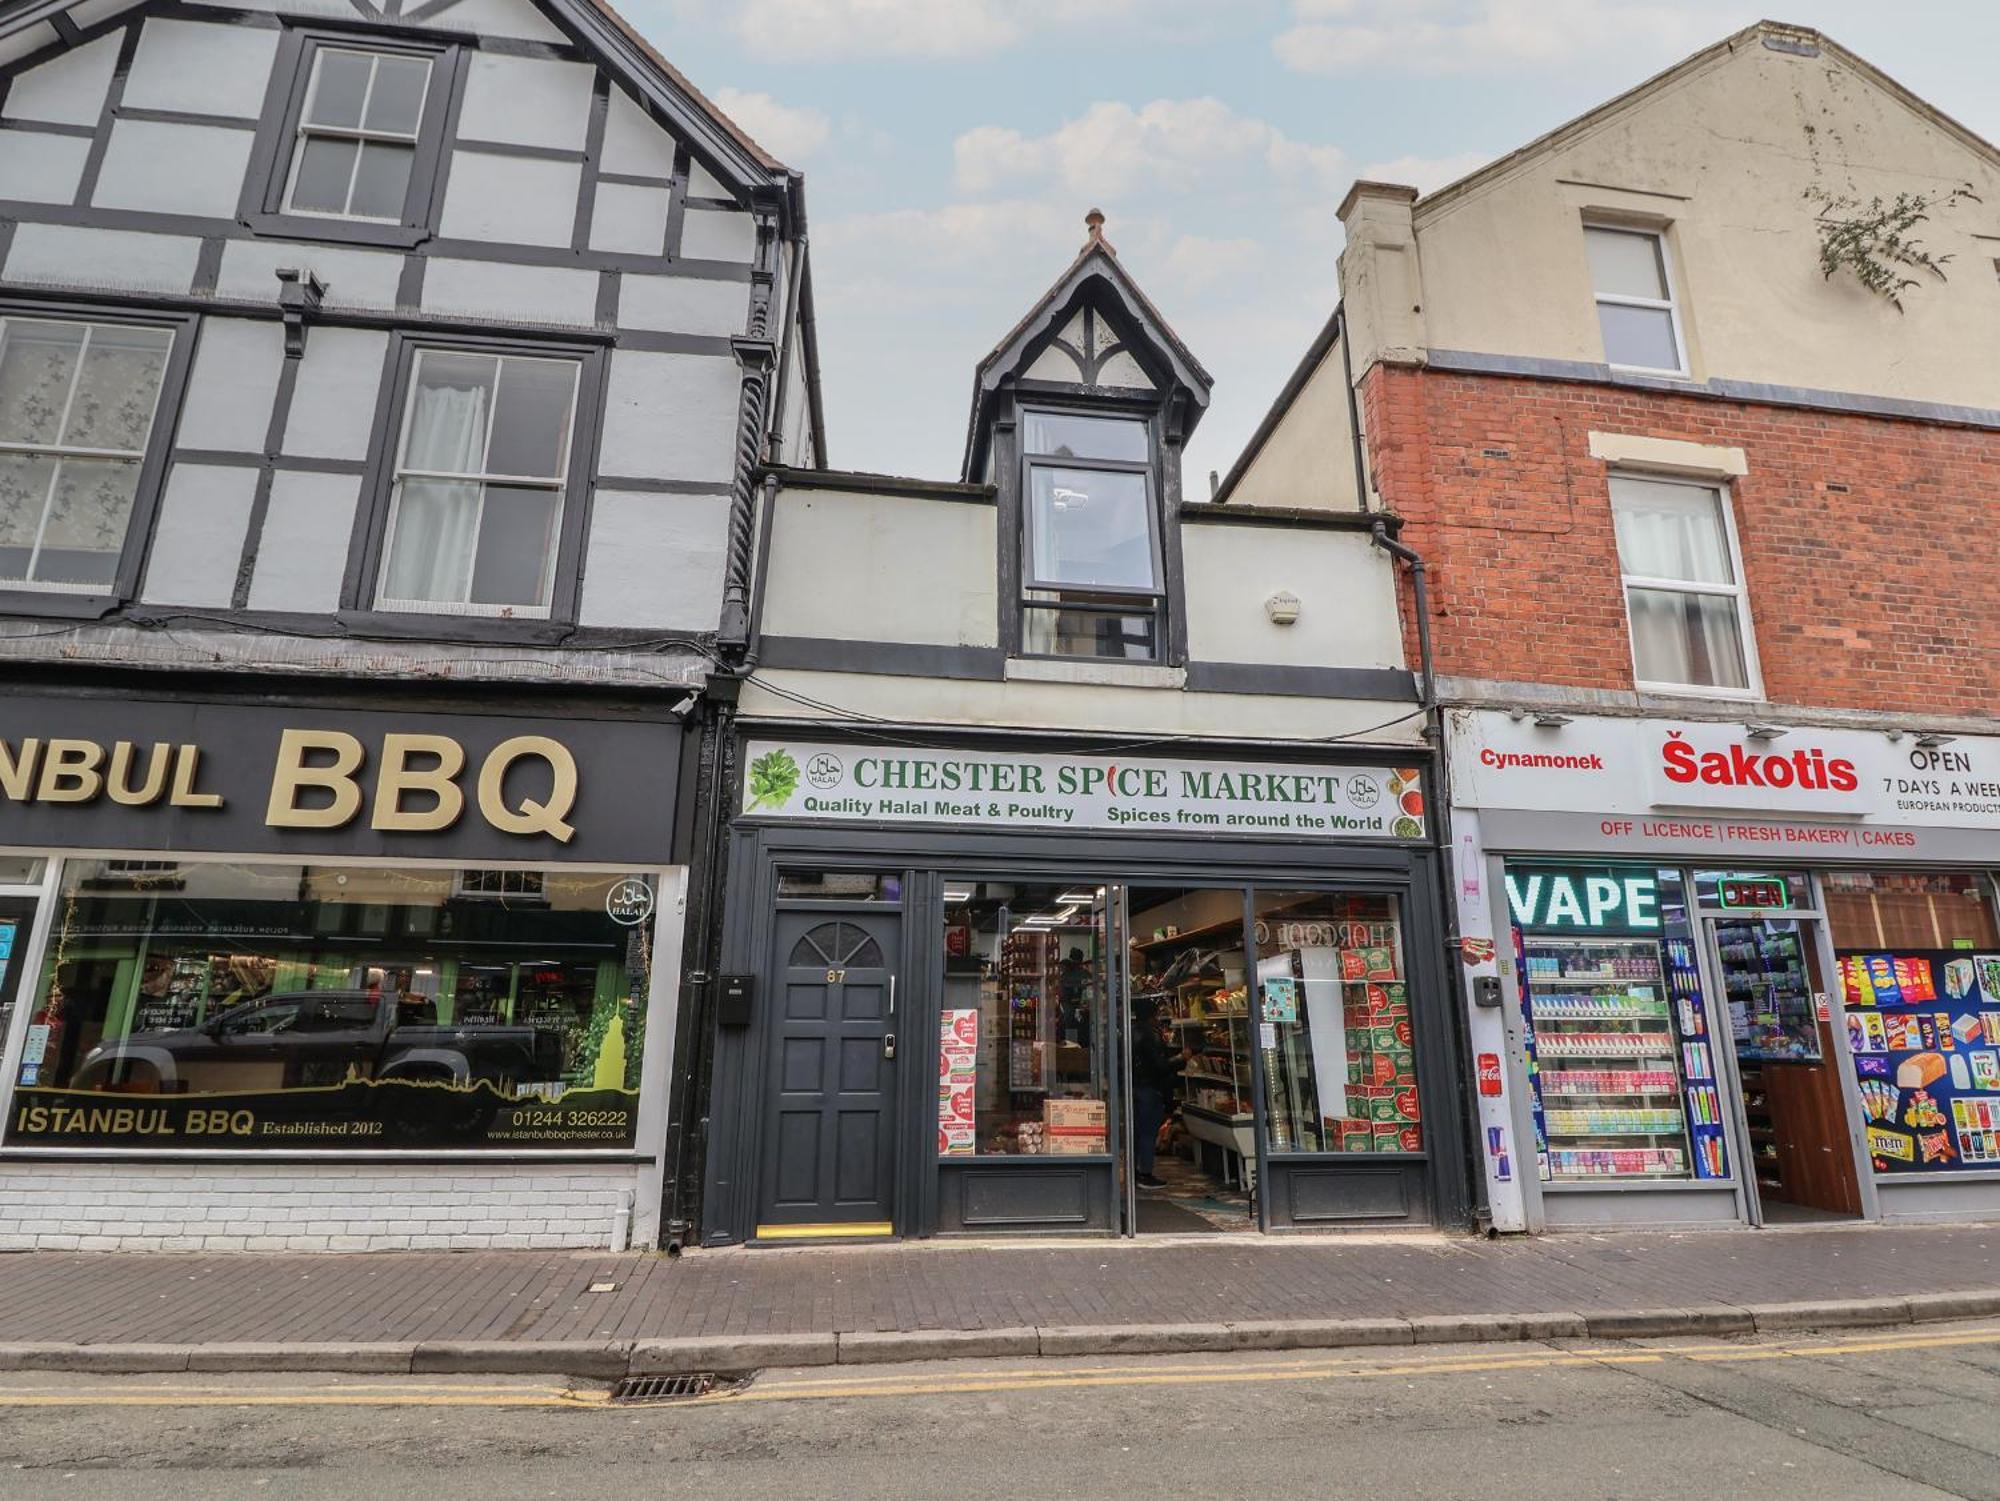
<point>1779,36</point>
<point>722,146</point>
<point>1096,263</point>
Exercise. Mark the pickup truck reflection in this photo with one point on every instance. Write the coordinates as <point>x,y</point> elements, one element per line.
<point>302,1039</point>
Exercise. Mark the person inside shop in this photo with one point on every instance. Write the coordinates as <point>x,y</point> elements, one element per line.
<point>1156,1064</point>
<point>1073,978</point>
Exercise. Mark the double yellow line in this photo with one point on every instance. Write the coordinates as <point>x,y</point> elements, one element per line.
<point>848,1385</point>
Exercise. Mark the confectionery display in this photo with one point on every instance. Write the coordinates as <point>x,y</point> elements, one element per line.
<point>1923,1026</point>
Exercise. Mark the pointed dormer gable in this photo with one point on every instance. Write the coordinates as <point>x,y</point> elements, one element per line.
<point>1093,334</point>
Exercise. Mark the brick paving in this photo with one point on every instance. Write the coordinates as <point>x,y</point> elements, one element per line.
<point>539,1296</point>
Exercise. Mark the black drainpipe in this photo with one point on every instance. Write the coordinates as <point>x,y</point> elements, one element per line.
<point>1440,841</point>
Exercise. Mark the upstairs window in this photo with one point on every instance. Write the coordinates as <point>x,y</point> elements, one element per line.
<point>77,407</point>
<point>1635,300</point>
<point>358,134</point>
<point>476,504</point>
<point>352,138</point>
<point>1091,572</point>
<point>1684,590</point>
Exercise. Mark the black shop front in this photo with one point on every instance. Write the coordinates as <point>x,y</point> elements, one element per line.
<point>980,991</point>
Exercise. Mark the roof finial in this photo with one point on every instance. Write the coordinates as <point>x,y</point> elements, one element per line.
<point>1093,223</point>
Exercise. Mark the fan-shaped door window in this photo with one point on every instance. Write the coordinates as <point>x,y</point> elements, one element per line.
<point>836,945</point>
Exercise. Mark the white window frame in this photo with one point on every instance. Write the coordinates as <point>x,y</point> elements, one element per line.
<point>1668,305</point>
<point>559,483</point>
<point>307,131</point>
<point>60,452</point>
<point>1740,591</point>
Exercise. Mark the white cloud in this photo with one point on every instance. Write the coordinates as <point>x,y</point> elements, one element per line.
<point>1449,36</point>
<point>1425,173</point>
<point>791,135</point>
<point>822,30</point>
<point>1199,262</point>
<point>1112,150</point>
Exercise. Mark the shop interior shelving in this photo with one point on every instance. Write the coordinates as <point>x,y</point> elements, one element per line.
<point>1606,1059</point>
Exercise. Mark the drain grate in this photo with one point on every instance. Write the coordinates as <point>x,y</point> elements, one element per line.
<point>634,1390</point>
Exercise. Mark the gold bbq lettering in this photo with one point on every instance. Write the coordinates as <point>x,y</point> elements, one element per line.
<point>320,780</point>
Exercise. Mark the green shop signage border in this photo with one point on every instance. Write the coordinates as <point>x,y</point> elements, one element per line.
<point>909,784</point>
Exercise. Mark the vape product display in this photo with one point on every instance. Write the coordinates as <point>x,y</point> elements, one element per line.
<point>1608,1056</point>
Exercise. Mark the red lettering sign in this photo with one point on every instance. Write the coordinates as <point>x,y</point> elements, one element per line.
<point>1809,768</point>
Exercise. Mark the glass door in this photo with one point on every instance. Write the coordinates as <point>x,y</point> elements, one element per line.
<point>1190,1163</point>
<point>1780,1023</point>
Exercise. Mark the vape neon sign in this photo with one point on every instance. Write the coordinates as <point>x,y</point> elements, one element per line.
<point>1585,899</point>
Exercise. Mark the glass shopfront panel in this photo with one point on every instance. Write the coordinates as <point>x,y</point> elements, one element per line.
<point>1621,1064</point>
<point>1335,1028</point>
<point>1024,1054</point>
<point>217,1004</point>
<point>1919,960</point>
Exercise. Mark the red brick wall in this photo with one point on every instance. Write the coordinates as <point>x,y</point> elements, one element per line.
<point>1883,596</point>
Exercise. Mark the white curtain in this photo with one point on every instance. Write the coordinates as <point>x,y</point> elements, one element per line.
<point>430,556</point>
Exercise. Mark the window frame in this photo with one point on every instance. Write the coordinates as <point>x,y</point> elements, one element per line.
<point>1753,691</point>
<point>367,552</point>
<point>1670,305</point>
<point>25,599</point>
<point>267,180</point>
<point>1105,599</point>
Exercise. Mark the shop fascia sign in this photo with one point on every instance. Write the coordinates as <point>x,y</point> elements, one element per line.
<point>1609,765</point>
<point>98,772</point>
<point>908,784</point>
<point>316,782</point>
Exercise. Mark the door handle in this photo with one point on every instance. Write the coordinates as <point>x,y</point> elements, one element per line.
<point>892,995</point>
<point>888,1044</point>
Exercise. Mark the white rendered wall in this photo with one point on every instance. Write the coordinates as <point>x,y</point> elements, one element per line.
<point>260,1205</point>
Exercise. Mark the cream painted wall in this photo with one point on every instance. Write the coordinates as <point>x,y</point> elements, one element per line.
<point>850,567</point>
<point>1722,156</point>
<point>1086,707</point>
<point>1345,587</point>
<point>1308,459</point>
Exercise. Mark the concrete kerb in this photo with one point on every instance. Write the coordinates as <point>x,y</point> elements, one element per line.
<point>742,1354</point>
<point>1652,1323</point>
<point>507,1357</point>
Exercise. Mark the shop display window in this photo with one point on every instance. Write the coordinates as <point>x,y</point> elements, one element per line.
<point>222,1005</point>
<point>1334,1024</point>
<point>1620,1061</point>
<point>1024,1059</point>
<point>1919,960</point>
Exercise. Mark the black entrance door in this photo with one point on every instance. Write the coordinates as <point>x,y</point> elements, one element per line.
<point>830,1135</point>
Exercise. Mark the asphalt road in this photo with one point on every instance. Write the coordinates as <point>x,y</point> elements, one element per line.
<point>1882,1416</point>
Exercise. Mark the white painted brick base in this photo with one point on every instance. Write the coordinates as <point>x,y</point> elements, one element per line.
<point>307,1206</point>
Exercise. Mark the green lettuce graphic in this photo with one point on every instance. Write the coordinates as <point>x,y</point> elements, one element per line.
<point>774,777</point>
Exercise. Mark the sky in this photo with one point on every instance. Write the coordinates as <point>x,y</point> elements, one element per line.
<point>952,147</point>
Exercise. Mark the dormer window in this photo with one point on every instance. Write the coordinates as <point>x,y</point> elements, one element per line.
<point>1093,580</point>
<point>1079,416</point>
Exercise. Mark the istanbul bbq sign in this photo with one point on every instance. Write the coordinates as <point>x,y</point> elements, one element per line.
<point>907,784</point>
<point>1613,764</point>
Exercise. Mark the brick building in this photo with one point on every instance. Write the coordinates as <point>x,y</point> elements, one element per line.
<point>1685,407</point>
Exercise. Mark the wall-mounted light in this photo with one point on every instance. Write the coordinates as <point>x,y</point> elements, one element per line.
<point>1282,607</point>
<point>1764,731</point>
<point>1551,721</point>
<point>1931,740</point>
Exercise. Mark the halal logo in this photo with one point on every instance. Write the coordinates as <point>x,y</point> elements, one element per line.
<point>824,770</point>
<point>629,902</point>
<point>1363,792</point>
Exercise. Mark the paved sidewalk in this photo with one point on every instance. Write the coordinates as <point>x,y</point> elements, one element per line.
<point>799,1306</point>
